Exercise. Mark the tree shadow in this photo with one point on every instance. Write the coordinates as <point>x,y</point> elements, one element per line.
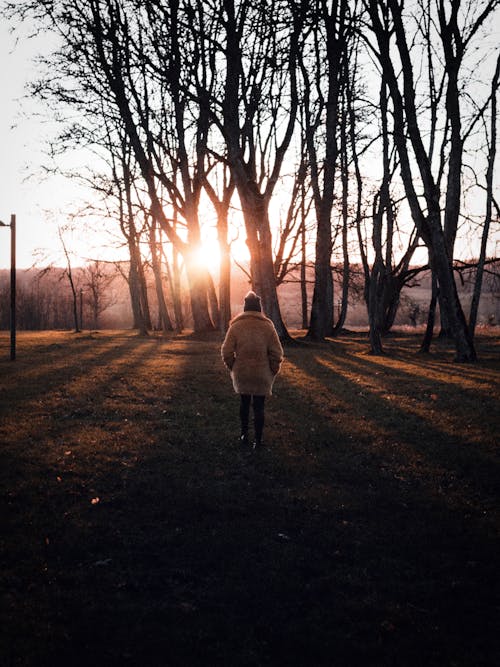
<point>329,542</point>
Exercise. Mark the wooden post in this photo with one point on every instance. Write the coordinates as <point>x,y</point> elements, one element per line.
<point>81,308</point>
<point>12,287</point>
<point>12,283</point>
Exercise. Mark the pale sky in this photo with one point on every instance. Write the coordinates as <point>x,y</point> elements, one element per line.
<point>36,201</point>
<point>40,205</point>
<point>21,144</point>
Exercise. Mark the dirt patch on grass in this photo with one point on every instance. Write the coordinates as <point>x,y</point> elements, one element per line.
<point>137,532</point>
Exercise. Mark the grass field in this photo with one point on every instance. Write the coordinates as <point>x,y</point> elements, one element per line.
<point>135,531</point>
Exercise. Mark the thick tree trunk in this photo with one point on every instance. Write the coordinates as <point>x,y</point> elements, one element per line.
<point>213,302</point>
<point>198,291</point>
<point>143,293</point>
<point>164,317</point>
<point>135,296</point>
<point>431,317</point>
<point>259,240</point>
<point>197,276</point>
<point>224,287</point>
<point>392,286</point>
<point>449,300</point>
<point>321,324</point>
<point>374,308</point>
<point>174,282</point>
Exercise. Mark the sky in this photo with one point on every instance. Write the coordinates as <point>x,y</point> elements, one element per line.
<point>40,203</point>
<point>21,141</point>
<point>16,135</point>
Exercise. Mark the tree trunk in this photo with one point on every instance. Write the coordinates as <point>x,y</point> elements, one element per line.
<point>474,307</point>
<point>406,125</point>
<point>431,317</point>
<point>164,317</point>
<point>174,282</point>
<point>143,292</point>
<point>303,270</point>
<point>224,286</point>
<point>449,300</point>
<point>345,221</point>
<point>374,307</point>
<point>259,241</point>
<point>321,324</point>
<point>74,302</point>
<point>244,142</point>
<point>213,302</point>
<point>139,322</point>
<point>198,291</point>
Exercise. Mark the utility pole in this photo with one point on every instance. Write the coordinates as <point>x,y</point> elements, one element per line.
<point>12,283</point>
<point>81,308</point>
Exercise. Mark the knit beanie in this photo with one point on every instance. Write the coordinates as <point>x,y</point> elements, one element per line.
<point>252,302</point>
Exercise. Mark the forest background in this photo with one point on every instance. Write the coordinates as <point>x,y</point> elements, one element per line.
<point>325,154</point>
<point>339,158</point>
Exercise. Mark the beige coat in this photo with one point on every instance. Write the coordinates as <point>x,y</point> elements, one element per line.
<point>252,351</point>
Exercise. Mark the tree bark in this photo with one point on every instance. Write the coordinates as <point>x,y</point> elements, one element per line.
<point>429,224</point>
<point>431,317</point>
<point>474,307</point>
<point>164,317</point>
<point>345,222</point>
<point>134,284</point>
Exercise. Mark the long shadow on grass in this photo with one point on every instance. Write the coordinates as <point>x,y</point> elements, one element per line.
<point>416,431</point>
<point>65,363</point>
<point>481,376</point>
<point>424,540</point>
<point>310,552</point>
<point>233,545</point>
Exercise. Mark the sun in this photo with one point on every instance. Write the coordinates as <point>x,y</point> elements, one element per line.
<point>207,255</point>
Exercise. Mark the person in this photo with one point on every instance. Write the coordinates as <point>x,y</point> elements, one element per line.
<point>253,354</point>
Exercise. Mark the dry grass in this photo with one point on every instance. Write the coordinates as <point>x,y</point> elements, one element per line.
<point>137,533</point>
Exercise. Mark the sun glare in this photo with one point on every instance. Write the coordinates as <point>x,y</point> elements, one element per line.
<point>207,255</point>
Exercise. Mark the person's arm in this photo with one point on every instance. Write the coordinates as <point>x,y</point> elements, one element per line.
<point>228,349</point>
<point>275,353</point>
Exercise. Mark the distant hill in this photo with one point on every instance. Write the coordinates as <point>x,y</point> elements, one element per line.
<point>45,301</point>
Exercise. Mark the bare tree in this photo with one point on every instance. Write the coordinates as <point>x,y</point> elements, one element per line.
<point>323,64</point>
<point>489,200</point>
<point>109,53</point>
<point>68,273</point>
<point>96,282</point>
<point>256,117</point>
<point>392,31</point>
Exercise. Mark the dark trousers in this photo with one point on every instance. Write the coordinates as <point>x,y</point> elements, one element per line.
<point>258,414</point>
